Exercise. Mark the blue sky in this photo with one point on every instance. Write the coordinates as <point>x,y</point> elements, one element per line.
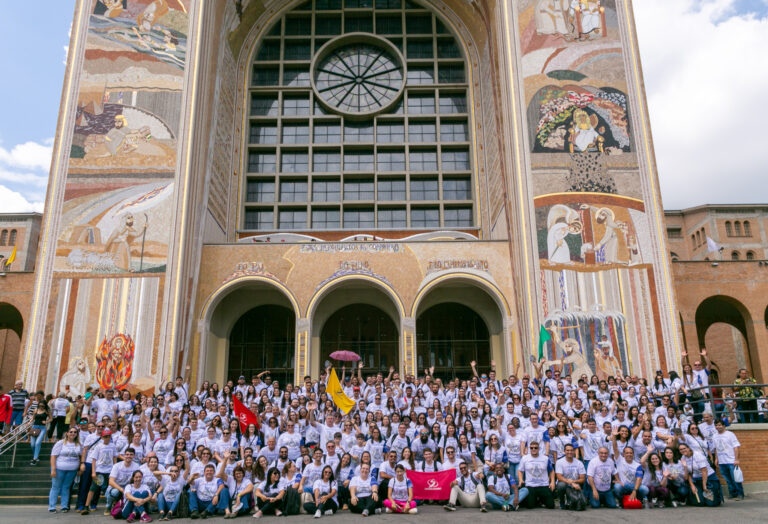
<point>703,60</point>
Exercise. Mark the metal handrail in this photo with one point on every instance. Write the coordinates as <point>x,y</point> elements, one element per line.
<point>708,396</point>
<point>10,440</point>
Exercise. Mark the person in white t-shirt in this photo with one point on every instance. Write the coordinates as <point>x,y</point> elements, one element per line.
<point>600,473</point>
<point>537,474</point>
<point>727,449</point>
<point>65,463</point>
<point>502,490</point>
<point>119,477</point>
<point>269,495</point>
<point>207,494</point>
<point>325,491</point>
<point>702,477</point>
<point>570,473</point>
<point>468,490</point>
<point>240,489</point>
<point>364,492</point>
<point>169,492</point>
<point>136,499</point>
<point>400,493</point>
<point>629,474</point>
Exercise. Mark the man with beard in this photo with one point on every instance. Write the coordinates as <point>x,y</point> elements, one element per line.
<point>119,242</point>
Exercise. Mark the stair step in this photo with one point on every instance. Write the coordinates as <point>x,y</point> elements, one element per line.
<point>41,500</point>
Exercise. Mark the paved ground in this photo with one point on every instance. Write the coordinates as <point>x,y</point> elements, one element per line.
<point>752,509</point>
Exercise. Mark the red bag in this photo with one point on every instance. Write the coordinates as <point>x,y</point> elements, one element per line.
<point>632,504</point>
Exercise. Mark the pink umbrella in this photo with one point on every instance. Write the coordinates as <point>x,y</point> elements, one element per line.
<point>347,356</point>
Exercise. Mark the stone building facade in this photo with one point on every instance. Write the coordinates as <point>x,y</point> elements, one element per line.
<point>239,186</point>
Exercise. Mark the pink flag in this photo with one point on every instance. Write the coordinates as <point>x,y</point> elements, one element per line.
<point>432,486</point>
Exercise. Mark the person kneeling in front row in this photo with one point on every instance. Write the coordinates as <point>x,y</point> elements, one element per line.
<point>468,490</point>
<point>536,473</point>
<point>502,490</point>
<point>363,491</point>
<point>207,494</point>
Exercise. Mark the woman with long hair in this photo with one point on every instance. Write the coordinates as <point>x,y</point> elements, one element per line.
<point>240,490</point>
<point>65,463</point>
<point>345,470</point>
<point>269,496</point>
<point>675,475</point>
<point>377,447</point>
<point>136,498</point>
<point>407,460</point>
<point>324,491</point>
<point>40,418</point>
<point>400,493</point>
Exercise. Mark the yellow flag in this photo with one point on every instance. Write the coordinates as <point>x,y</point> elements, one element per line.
<point>337,394</point>
<point>12,257</point>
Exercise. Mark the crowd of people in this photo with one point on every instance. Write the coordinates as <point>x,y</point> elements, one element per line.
<point>513,442</point>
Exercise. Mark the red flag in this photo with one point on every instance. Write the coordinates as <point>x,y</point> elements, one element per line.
<point>244,415</point>
<point>432,486</point>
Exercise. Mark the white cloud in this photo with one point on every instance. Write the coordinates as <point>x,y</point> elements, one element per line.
<point>13,202</point>
<point>29,155</point>
<point>705,74</point>
<point>24,179</point>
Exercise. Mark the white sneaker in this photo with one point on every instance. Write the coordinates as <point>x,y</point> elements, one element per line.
<point>378,511</point>
<point>318,514</point>
<point>365,513</point>
<point>328,512</point>
<point>387,510</point>
<point>674,503</point>
<point>413,511</point>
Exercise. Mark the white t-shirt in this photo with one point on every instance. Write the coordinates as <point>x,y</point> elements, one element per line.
<point>501,484</point>
<point>60,406</point>
<point>149,478</point>
<point>628,471</point>
<point>570,470</point>
<point>536,470</point>
<point>601,473</point>
<point>325,488</point>
<point>103,407</point>
<point>67,455</point>
<point>235,487</point>
<point>364,487</point>
<point>131,489</point>
<point>102,457</point>
<point>725,444</point>
<point>206,489</point>
<point>122,473</point>
<point>400,488</point>
<point>172,488</point>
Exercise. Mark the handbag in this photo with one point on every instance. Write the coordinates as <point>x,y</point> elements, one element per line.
<point>117,510</point>
<point>632,503</point>
<point>35,432</point>
<point>738,475</point>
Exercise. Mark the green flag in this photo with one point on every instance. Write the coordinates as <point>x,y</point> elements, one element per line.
<point>544,336</point>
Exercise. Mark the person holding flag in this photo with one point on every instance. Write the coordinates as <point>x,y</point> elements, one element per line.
<point>335,391</point>
<point>244,415</point>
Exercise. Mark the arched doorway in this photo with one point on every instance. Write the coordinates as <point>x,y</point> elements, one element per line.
<point>251,314</point>
<point>11,327</point>
<point>366,330</point>
<point>263,339</point>
<point>449,336</point>
<point>724,326</point>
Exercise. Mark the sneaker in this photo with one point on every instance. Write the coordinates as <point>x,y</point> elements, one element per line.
<point>387,510</point>
<point>740,498</point>
<point>377,511</point>
<point>194,515</point>
<point>257,515</point>
<point>674,503</point>
<point>413,511</point>
<point>365,513</point>
<point>107,513</point>
<point>504,508</point>
<point>328,512</point>
<point>131,518</point>
<point>161,515</point>
<point>278,513</point>
<point>84,511</point>
<point>146,518</point>
<point>484,507</point>
<point>51,510</point>
<point>169,515</point>
<point>204,515</point>
<point>65,510</point>
<point>516,507</point>
<point>450,507</point>
<point>318,514</point>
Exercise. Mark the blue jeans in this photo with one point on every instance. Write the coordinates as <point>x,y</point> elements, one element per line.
<point>196,504</point>
<point>166,506</point>
<point>247,503</point>
<point>735,489</point>
<point>626,489</point>
<point>85,486</point>
<point>17,417</point>
<point>512,470</point>
<point>713,485</point>
<point>61,485</point>
<point>37,441</point>
<point>604,497</point>
<point>497,501</point>
<point>112,495</point>
<point>131,507</point>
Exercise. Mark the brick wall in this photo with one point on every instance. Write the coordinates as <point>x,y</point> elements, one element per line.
<point>754,453</point>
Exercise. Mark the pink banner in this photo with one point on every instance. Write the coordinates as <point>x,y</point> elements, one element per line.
<point>432,486</point>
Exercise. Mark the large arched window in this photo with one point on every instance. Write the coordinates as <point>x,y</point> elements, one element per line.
<point>449,336</point>
<point>737,228</point>
<point>728,228</point>
<point>263,339</point>
<point>358,120</point>
<point>747,229</point>
<point>3,237</point>
<point>12,238</point>
<point>735,255</point>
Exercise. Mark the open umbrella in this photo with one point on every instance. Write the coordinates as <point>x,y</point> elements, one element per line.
<point>347,356</point>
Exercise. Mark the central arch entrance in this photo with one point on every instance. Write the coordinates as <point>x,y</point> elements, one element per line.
<point>366,330</point>
<point>263,339</point>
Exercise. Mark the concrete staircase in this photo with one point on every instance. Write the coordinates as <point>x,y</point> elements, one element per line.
<point>24,484</point>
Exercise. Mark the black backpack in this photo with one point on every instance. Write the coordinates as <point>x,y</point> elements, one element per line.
<point>574,499</point>
<point>292,502</point>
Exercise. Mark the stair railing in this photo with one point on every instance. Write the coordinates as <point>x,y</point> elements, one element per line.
<point>9,441</point>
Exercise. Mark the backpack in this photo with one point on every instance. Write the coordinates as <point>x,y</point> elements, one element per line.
<point>292,502</point>
<point>574,499</point>
<point>182,510</point>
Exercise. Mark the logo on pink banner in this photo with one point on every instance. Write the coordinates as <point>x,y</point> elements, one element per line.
<point>432,486</point>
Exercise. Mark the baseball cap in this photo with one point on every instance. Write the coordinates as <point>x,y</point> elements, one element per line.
<point>242,377</point>
<point>106,433</point>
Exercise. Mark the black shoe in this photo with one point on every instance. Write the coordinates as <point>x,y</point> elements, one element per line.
<point>450,507</point>
<point>204,515</point>
<point>194,515</point>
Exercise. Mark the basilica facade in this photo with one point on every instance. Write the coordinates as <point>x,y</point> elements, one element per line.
<point>240,186</point>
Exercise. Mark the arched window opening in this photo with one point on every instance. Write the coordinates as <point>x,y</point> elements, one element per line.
<point>750,255</point>
<point>365,330</point>
<point>674,256</point>
<point>450,336</point>
<point>12,238</point>
<point>747,229</point>
<point>3,237</point>
<point>737,228</point>
<point>729,228</point>
<point>734,255</point>
<point>263,339</point>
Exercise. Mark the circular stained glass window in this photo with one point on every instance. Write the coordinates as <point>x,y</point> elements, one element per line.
<point>358,74</point>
